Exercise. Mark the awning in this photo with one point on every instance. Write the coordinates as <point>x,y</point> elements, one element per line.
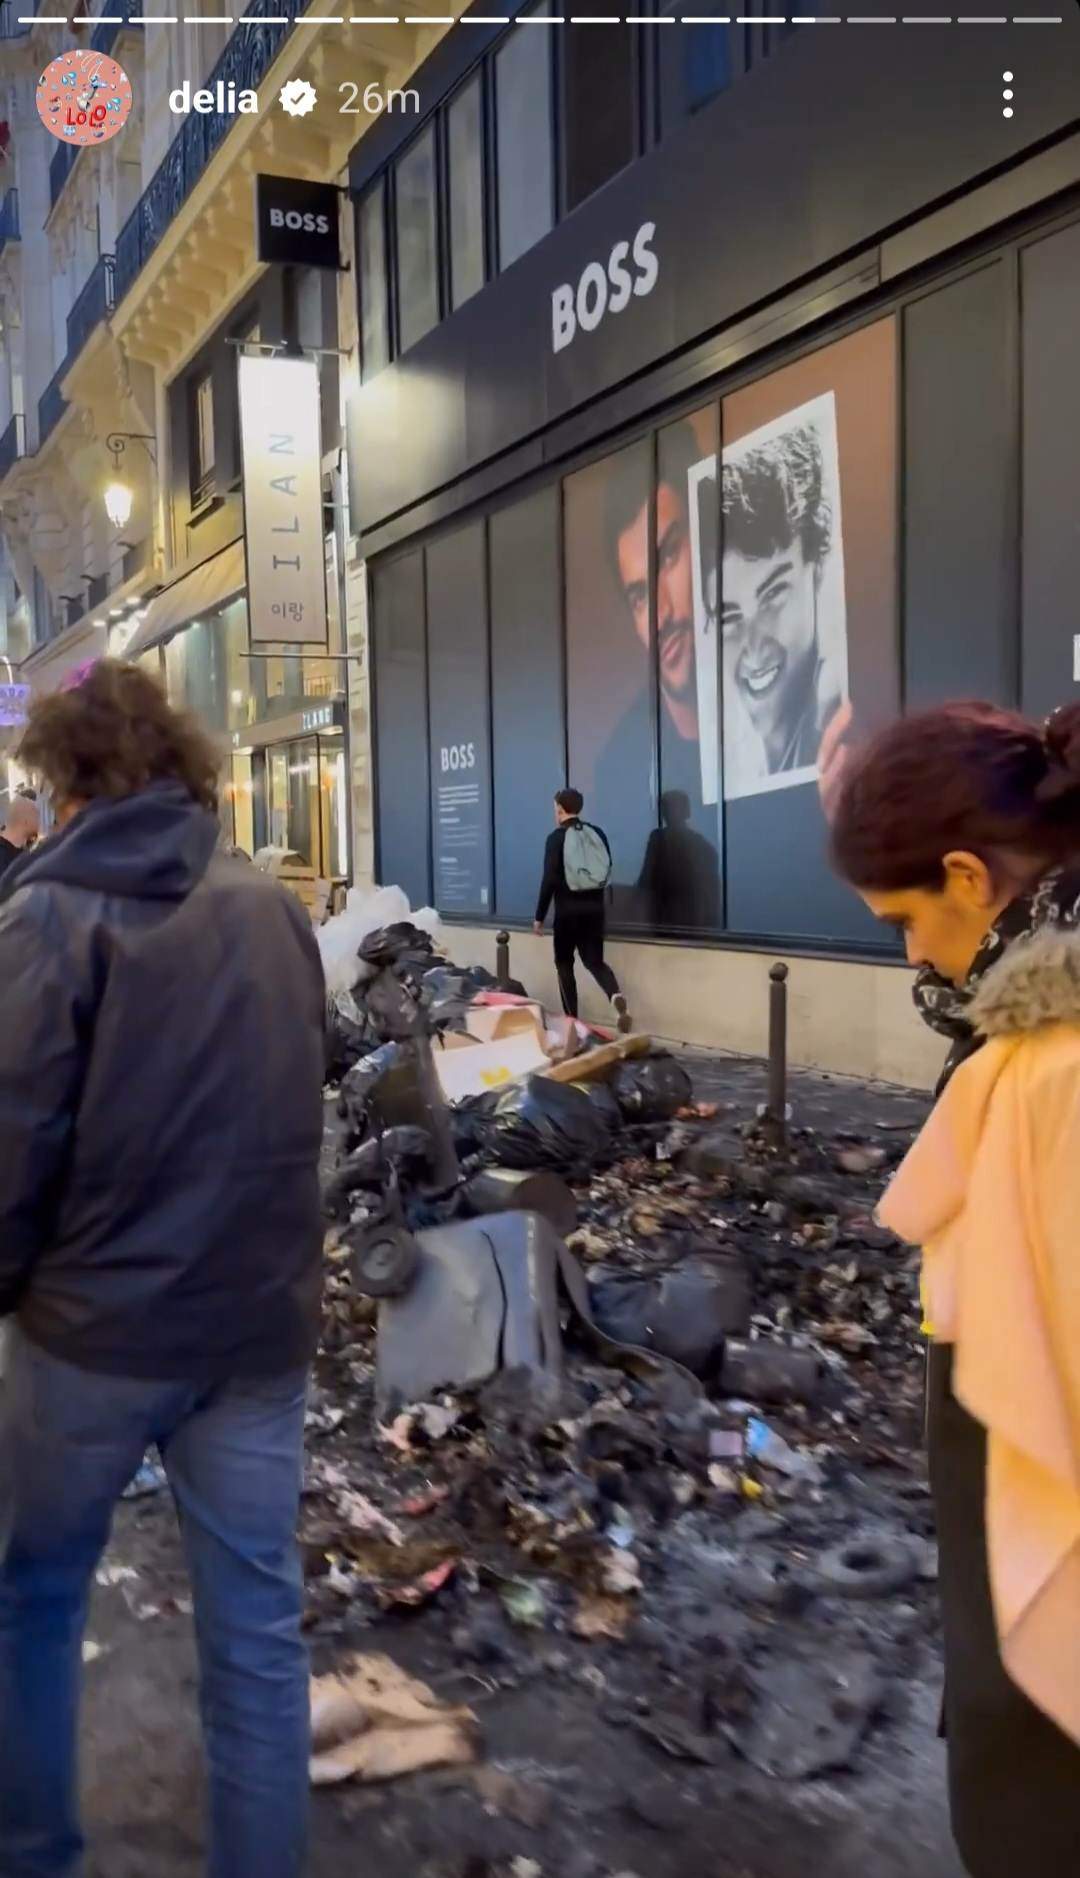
<point>206,588</point>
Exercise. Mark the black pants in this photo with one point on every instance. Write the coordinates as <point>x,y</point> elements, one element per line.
<point>1014,1777</point>
<point>580,931</point>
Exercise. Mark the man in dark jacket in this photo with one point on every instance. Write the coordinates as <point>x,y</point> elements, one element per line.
<point>161,1059</point>
<point>579,913</point>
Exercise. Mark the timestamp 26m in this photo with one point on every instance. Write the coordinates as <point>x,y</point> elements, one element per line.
<point>374,100</point>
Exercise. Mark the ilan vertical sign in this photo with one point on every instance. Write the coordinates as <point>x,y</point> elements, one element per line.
<point>283,507</point>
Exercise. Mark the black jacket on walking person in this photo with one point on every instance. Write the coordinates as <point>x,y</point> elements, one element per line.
<point>161,1057</point>
<point>553,887</point>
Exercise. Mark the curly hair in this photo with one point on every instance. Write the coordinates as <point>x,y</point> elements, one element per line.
<point>775,492</point>
<point>113,733</point>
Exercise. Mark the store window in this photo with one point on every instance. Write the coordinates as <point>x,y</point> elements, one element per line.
<point>417,246</point>
<point>696,65</point>
<point>293,794</point>
<point>609,663</point>
<point>465,151</point>
<point>524,138</point>
<point>599,108</point>
<point>202,440</point>
<point>681,875</point>
<point>374,299</point>
<point>807,619</point>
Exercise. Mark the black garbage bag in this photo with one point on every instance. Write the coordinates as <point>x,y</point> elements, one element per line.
<point>397,945</point>
<point>359,1087</point>
<point>604,1105</point>
<point>685,1314</point>
<point>407,1151</point>
<point>447,995</point>
<point>536,1123</point>
<point>393,1010</point>
<point>349,1034</point>
<point>651,1088</point>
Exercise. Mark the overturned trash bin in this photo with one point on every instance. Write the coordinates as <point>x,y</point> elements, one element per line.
<point>485,1296</point>
<point>516,1190</point>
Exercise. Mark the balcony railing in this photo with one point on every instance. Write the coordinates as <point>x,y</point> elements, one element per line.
<point>247,58</point>
<point>118,19</point>
<point>12,444</point>
<point>94,304</point>
<point>60,169</point>
<point>9,218</point>
<point>51,405</point>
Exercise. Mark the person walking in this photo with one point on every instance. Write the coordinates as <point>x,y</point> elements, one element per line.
<point>961,828</point>
<point>577,868</point>
<point>22,824</point>
<point>161,1057</point>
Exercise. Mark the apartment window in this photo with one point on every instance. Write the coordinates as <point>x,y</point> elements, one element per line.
<point>523,134</point>
<point>202,439</point>
<point>599,107</point>
<point>417,248</point>
<point>696,64</point>
<point>465,153</point>
<point>374,313</point>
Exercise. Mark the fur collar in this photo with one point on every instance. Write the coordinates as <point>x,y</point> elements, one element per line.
<point>1036,982</point>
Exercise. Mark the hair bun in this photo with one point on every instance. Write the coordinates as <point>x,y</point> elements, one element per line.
<point>1061,741</point>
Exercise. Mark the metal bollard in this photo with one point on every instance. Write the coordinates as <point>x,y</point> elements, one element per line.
<point>776,1109</point>
<point>502,960</point>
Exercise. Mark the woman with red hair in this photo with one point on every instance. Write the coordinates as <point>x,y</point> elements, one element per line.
<point>961,828</point>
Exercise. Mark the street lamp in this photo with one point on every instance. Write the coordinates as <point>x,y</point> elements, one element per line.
<point>119,495</point>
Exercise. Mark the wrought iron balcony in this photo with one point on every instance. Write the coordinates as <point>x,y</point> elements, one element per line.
<point>9,218</point>
<point>60,169</point>
<point>247,58</point>
<point>12,444</point>
<point>93,304</point>
<point>117,19</point>
<point>51,404</point>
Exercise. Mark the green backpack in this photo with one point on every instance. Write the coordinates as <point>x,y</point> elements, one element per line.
<point>586,862</point>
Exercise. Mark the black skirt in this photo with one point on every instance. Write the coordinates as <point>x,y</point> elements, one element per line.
<point>1014,1777</point>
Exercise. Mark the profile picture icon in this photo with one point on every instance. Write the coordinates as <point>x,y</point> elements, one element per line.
<point>84,98</point>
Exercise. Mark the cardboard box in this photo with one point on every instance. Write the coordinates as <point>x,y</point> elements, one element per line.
<point>466,1067</point>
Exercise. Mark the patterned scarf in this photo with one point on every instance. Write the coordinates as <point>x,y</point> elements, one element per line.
<point>1054,901</point>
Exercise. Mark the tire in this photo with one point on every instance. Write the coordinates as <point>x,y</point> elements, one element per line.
<point>867,1567</point>
<point>384,1262</point>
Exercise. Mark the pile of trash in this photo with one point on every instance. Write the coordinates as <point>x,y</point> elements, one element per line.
<point>604,1366</point>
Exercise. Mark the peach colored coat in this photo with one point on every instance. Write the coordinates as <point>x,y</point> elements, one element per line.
<point>991,1191</point>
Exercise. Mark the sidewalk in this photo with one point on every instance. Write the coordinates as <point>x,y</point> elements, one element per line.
<point>634,1759</point>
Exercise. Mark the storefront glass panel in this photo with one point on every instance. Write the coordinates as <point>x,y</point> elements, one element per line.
<point>611,716</point>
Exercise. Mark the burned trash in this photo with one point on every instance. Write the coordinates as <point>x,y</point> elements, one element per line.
<point>642,1373</point>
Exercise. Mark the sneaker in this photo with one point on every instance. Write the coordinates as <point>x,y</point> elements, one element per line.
<point>622,1011</point>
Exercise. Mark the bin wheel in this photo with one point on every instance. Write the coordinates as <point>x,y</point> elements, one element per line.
<point>384,1262</point>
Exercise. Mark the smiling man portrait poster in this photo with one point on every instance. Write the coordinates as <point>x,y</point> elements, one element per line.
<point>783,618</point>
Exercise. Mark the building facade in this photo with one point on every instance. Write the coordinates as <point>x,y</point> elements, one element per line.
<point>130,287</point>
<point>718,401</point>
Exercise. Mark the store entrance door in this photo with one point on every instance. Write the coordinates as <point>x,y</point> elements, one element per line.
<point>292,795</point>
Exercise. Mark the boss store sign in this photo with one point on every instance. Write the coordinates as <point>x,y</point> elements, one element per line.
<point>297,222</point>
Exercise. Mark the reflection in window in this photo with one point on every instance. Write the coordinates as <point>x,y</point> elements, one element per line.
<point>611,718</point>
<point>464,133</point>
<point>523,133</point>
<point>417,253</point>
<point>681,875</point>
<point>374,314</point>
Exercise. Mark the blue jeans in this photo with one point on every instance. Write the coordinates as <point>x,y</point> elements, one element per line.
<point>70,1441</point>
